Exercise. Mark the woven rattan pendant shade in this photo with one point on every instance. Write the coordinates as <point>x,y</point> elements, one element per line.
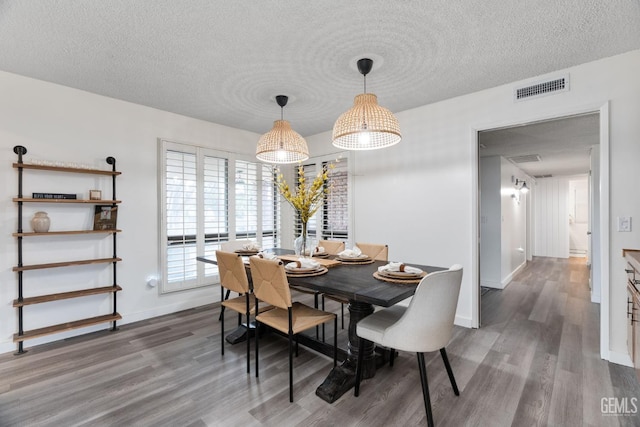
<point>366,126</point>
<point>282,144</point>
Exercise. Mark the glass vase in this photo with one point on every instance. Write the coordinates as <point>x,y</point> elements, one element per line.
<point>303,244</point>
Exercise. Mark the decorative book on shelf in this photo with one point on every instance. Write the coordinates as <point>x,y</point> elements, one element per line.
<point>105,217</point>
<point>54,196</point>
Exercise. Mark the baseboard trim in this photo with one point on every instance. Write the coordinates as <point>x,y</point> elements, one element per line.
<point>511,275</point>
<point>620,359</point>
<point>463,321</point>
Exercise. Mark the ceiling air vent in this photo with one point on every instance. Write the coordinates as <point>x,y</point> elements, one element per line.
<point>529,158</point>
<point>543,88</point>
<point>543,176</point>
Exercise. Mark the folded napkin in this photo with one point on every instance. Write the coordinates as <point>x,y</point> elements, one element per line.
<point>351,253</point>
<point>251,247</point>
<point>267,255</point>
<point>399,267</point>
<point>303,263</point>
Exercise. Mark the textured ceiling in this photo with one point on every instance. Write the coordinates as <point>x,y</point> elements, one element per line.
<point>563,145</point>
<point>224,61</point>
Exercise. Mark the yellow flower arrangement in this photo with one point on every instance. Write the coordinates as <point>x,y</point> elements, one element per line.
<point>306,199</point>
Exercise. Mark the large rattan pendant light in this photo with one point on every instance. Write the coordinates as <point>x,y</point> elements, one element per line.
<point>282,144</point>
<point>366,126</point>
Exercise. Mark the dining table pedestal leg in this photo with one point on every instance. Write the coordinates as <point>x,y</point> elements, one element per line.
<point>343,377</point>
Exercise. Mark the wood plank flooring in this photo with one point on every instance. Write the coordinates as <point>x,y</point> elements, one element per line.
<point>534,362</point>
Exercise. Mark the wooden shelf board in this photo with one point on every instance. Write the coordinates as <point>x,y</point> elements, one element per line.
<point>66,264</point>
<point>81,201</point>
<point>65,169</point>
<point>61,233</point>
<point>66,295</point>
<point>41,332</point>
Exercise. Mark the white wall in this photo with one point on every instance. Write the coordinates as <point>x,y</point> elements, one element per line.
<point>62,124</point>
<point>552,217</point>
<point>490,222</point>
<point>433,172</point>
<point>431,176</point>
<point>502,222</point>
<point>514,221</point>
<point>578,216</point>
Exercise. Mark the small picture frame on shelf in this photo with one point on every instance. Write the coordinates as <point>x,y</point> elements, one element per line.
<point>105,217</point>
<point>95,195</point>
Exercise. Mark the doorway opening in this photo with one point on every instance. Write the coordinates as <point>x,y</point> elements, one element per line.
<point>557,157</point>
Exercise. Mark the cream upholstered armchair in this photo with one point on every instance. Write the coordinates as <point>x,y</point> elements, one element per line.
<point>425,325</point>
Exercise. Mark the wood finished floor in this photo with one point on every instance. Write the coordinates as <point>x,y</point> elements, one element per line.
<point>535,362</point>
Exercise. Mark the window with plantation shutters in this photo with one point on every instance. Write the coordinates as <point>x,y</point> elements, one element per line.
<point>270,209</point>
<point>335,210</point>
<point>211,197</point>
<point>331,222</point>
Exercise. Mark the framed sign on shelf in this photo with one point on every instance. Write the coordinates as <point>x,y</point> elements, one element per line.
<point>105,217</point>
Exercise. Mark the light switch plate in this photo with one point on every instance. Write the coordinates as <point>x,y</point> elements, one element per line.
<point>624,223</point>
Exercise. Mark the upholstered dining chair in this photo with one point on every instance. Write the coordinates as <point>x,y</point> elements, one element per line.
<point>425,325</point>
<point>374,251</point>
<point>233,277</point>
<point>271,286</point>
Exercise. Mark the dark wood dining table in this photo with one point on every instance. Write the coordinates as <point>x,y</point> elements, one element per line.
<point>356,283</point>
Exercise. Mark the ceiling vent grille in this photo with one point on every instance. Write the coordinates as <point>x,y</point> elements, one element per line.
<point>529,158</point>
<point>541,89</point>
<point>543,176</point>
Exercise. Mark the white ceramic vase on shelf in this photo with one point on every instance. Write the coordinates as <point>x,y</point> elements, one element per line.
<point>40,222</point>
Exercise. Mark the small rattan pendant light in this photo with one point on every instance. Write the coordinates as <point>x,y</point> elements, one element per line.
<point>366,126</point>
<point>282,144</point>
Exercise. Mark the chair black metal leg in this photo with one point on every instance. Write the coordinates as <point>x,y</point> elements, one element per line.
<point>290,368</point>
<point>392,356</point>
<point>335,341</point>
<point>248,338</point>
<point>425,388</point>
<point>342,314</point>
<point>359,367</point>
<point>256,335</point>
<point>315,305</point>
<point>226,297</point>
<point>323,323</point>
<point>443,353</point>
<point>221,319</point>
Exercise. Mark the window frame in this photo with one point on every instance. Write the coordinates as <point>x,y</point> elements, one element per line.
<point>206,274</point>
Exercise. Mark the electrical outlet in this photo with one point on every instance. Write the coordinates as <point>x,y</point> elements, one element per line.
<point>624,223</point>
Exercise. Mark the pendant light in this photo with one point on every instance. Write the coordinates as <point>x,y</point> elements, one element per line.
<point>282,144</point>
<point>366,126</point>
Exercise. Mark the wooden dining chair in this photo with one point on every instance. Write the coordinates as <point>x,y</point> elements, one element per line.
<point>374,251</point>
<point>270,285</point>
<point>332,247</point>
<point>234,245</point>
<point>233,277</point>
<point>425,325</point>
